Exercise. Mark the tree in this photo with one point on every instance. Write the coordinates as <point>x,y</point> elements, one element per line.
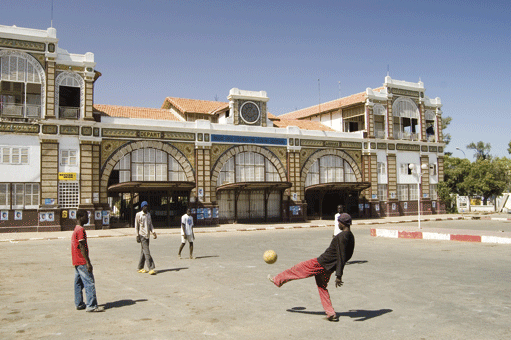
<point>488,178</point>
<point>447,136</point>
<point>456,170</point>
<point>482,150</point>
<point>509,149</point>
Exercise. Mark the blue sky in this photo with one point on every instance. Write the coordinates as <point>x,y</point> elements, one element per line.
<point>148,50</point>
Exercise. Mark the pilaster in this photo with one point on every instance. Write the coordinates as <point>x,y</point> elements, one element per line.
<point>49,170</point>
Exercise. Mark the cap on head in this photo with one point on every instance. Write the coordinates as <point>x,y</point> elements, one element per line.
<point>143,204</point>
<point>344,219</point>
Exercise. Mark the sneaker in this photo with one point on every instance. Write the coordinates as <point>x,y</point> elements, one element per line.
<point>271,279</point>
<point>333,318</point>
<point>96,309</point>
<point>81,306</point>
<point>142,271</point>
<point>179,257</point>
<point>192,258</point>
<point>152,272</point>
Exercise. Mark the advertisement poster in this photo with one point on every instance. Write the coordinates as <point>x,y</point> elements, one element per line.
<point>4,216</point>
<point>207,213</point>
<point>42,217</point>
<point>97,215</point>
<point>215,212</point>
<point>72,214</point>
<point>18,215</point>
<point>405,205</point>
<point>106,218</point>
<point>50,216</point>
<point>377,207</point>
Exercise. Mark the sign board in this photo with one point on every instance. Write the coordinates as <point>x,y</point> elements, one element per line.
<point>67,176</point>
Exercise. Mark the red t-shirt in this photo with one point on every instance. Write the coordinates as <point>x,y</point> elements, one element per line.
<point>78,235</point>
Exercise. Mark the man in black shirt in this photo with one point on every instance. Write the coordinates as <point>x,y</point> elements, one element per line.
<point>333,259</point>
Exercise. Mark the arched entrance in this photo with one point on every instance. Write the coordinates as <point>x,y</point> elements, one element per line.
<point>249,185</point>
<point>332,178</point>
<point>155,174</point>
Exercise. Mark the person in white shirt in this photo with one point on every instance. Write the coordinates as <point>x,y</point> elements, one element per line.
<point>144,227</point>
<point>187,232</point>
<point>337,229</point>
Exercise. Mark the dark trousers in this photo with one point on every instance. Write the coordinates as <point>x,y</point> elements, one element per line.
<point>145,254</point>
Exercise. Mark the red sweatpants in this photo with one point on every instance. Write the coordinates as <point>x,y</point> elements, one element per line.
<point>307,269</point>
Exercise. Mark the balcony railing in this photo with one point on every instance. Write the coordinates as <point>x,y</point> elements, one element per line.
<point>20,111</point>
<point>68,112</point>
<point>406,135</point>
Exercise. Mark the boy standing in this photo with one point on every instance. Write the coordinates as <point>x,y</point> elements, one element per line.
<point>83,267</point>
<point>144,227</point>
<point>187,232</point>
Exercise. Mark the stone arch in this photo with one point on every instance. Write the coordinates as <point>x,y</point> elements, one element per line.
<point>320,153</point>
<point>215,170</point>
<point>37,67</point>
<point>110,163</point>
<point>405,107</point>
<point>63,76</point>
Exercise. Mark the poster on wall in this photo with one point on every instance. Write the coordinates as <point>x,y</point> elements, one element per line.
<point>42,217</point>
<point>207,213</point>
<point>361,206</point>
<point>97,215</point>
<point>106,217</point>
<point>433,204</point>
<point>18,215</point>
<point>393,206</point>
<point>193,211</point>
<point>377,207</point>
<point>405,205</point>
<point>50,216</point>
<point>215,212</point>
<point>72,214</point>
<point>4,216</point>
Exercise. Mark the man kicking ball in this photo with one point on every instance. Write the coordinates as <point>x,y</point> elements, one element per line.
<point>335,258</point>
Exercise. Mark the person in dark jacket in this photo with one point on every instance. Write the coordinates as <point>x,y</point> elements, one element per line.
<point>333,259</point>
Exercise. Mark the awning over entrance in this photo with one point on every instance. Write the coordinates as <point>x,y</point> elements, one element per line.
<point>337,186</point>
<point>255,186</point>
<point>150,186</point>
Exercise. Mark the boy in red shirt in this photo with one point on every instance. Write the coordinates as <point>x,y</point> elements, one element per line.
<point>83,268</point>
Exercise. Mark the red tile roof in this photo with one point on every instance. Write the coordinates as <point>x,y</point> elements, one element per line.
<point>302,124</point>
<point>194,105</point>
<point>134,112</point>
<point>328,106</point>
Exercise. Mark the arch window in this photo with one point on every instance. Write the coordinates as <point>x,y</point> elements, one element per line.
<point>149,164</point>
<point>21,89</point>
<point>379,113</point>
<point>69,96</point>
<point>248,167</point>
<point>429,115</point>
<point>406,119</point>
<point>330,169</point>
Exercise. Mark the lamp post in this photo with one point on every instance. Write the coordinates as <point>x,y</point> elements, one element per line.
<point>461,151</point>
<point>418,170</point>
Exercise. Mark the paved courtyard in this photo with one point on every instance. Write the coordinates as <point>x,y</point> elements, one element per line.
<point>394,289</point>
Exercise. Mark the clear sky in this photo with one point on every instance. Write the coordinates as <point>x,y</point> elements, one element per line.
<point>148,50</point>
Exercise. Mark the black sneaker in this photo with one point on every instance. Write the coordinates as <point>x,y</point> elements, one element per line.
<point>81,306</point>
<point>333,318</point>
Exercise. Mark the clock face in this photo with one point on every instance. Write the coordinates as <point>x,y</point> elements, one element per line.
<point>250,112</point>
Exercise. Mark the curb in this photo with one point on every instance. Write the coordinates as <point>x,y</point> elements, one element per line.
<point>419,235</point>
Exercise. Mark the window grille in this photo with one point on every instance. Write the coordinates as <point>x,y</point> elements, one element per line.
<point>69,194</point>
<point>382,192</point>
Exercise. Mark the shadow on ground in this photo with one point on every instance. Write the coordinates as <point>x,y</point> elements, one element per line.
<point>122,303</point>
<point>358,314</point>
<point>160,271</point>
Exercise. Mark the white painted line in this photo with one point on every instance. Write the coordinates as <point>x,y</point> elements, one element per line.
<point>36,238</point>
<point>500,219</point>
<point>270,228</point>
<point>436,236</point>
<point>387,233</point>
<point>495,239</point>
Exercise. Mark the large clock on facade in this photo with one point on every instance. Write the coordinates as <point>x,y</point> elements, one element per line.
<point>250,112</point>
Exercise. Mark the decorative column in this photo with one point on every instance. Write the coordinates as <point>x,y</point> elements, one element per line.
<point>50,89</point>
<point>389,118</point>
<point>425,197</point>
<point>393,206</point>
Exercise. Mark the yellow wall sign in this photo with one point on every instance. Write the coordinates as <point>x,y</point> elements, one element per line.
<point>67,176</point>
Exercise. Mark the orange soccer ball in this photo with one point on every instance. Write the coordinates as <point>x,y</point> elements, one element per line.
<point>270,256</point>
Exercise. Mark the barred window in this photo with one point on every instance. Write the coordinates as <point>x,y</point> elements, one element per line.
<point>402,192</point>
<point>433,191</point>
<point>330,169</point>
<point>414,192</point>
<point>149,165</point>
<point>69,194</point>
<point>248,167</point>
<point>382,192</point>
<point>31,195</point>
<point>5,195</point>
<point>18,194</point>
